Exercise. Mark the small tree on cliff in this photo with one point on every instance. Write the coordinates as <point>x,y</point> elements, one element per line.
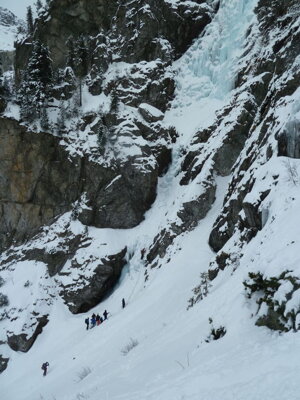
<point>71,56</point>
<point>29,19</point>
<point>78,60</point>
<point>38,5</point>
<point>81,67</point>
<point>45,124</point>
<point>36,82</point>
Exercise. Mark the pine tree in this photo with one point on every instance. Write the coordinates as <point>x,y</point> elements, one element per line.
<point>81,67</point>
<point>21,30</point>
<point>36,82</point>
<point>76,104</point>
<point>45,124</point>
<point>102,138</point>
<point>29,20</point>
<point>114,105</point>
<point>61,120</point>
<point>38,5</point>
<point>27,109</point>
<point>71,57</point>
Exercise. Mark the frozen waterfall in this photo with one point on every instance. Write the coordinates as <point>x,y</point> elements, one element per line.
<point>205,73</point>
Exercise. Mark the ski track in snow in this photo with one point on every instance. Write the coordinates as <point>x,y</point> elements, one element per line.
<point>172,361</point>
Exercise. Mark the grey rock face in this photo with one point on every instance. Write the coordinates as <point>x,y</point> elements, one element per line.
<point>163,28</point>
<point>150,114</point>
<point>190,214</point>
<point>82,297</point>
<point>57,258</point>
<point>3,363</point>
<point>7,60</point>
<point>239,215</point>
<point>7,18</point>
<point>33,188</point>
<point>23,342</point>
<point>39,181</point>
<point>289,140</point>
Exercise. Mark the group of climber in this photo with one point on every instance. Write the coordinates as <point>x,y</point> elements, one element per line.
<point>98,319</point>
<point>95,320</point>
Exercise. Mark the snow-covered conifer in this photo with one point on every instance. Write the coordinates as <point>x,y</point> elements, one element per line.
<point>38,5</point>
<point>61,120</point>
<point>71,57</point>
<point>45,124</point>
<point>29,19</point>
<point>36,82</point>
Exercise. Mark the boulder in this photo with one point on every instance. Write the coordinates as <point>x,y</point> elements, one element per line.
<point>84,295</point>
<point>150,113</point>
<point>3,363</point>
<point>23,341</point>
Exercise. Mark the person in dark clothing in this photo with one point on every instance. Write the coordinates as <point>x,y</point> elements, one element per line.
<point>105,314</point>
<point>93,321</point>
<point>94,315</point>
<point>87,321</point>
<point>123,303</point>
<point>101,319</point>
<point>44,368</point>
<point>143,251</point>
<point>98,321</point>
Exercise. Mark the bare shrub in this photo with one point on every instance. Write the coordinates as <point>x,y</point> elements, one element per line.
<point>201,290</point>
<point>85,371</point>
<point>132,343</point>
<point>292,172</point>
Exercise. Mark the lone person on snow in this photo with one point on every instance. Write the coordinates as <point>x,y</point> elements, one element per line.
<point>123,303</point>
<point>87,321</point>
<point>44,368</point>
<point>105,314</point>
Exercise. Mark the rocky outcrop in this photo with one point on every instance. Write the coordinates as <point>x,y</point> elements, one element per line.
<point>7,60</point>
<point>274,311</point>
<point>189,216</point>
<point>39,181</point>
<point>83,294</point>
<point>23,342</point>
<point>130,31</point>
<point>242,213</point>
<point>149,113</point>
<point>3,363</point>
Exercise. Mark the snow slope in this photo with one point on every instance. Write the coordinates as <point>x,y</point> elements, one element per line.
<point>174,357</point>
<point>8,29</point>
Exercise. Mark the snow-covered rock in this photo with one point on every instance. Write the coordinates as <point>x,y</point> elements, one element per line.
<point>150,113</point>
<point>9,24</point>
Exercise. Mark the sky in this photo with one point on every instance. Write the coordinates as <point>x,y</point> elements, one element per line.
<point>18,7</point>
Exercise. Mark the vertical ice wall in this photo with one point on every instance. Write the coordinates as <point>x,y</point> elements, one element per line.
<point>206,72</point>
